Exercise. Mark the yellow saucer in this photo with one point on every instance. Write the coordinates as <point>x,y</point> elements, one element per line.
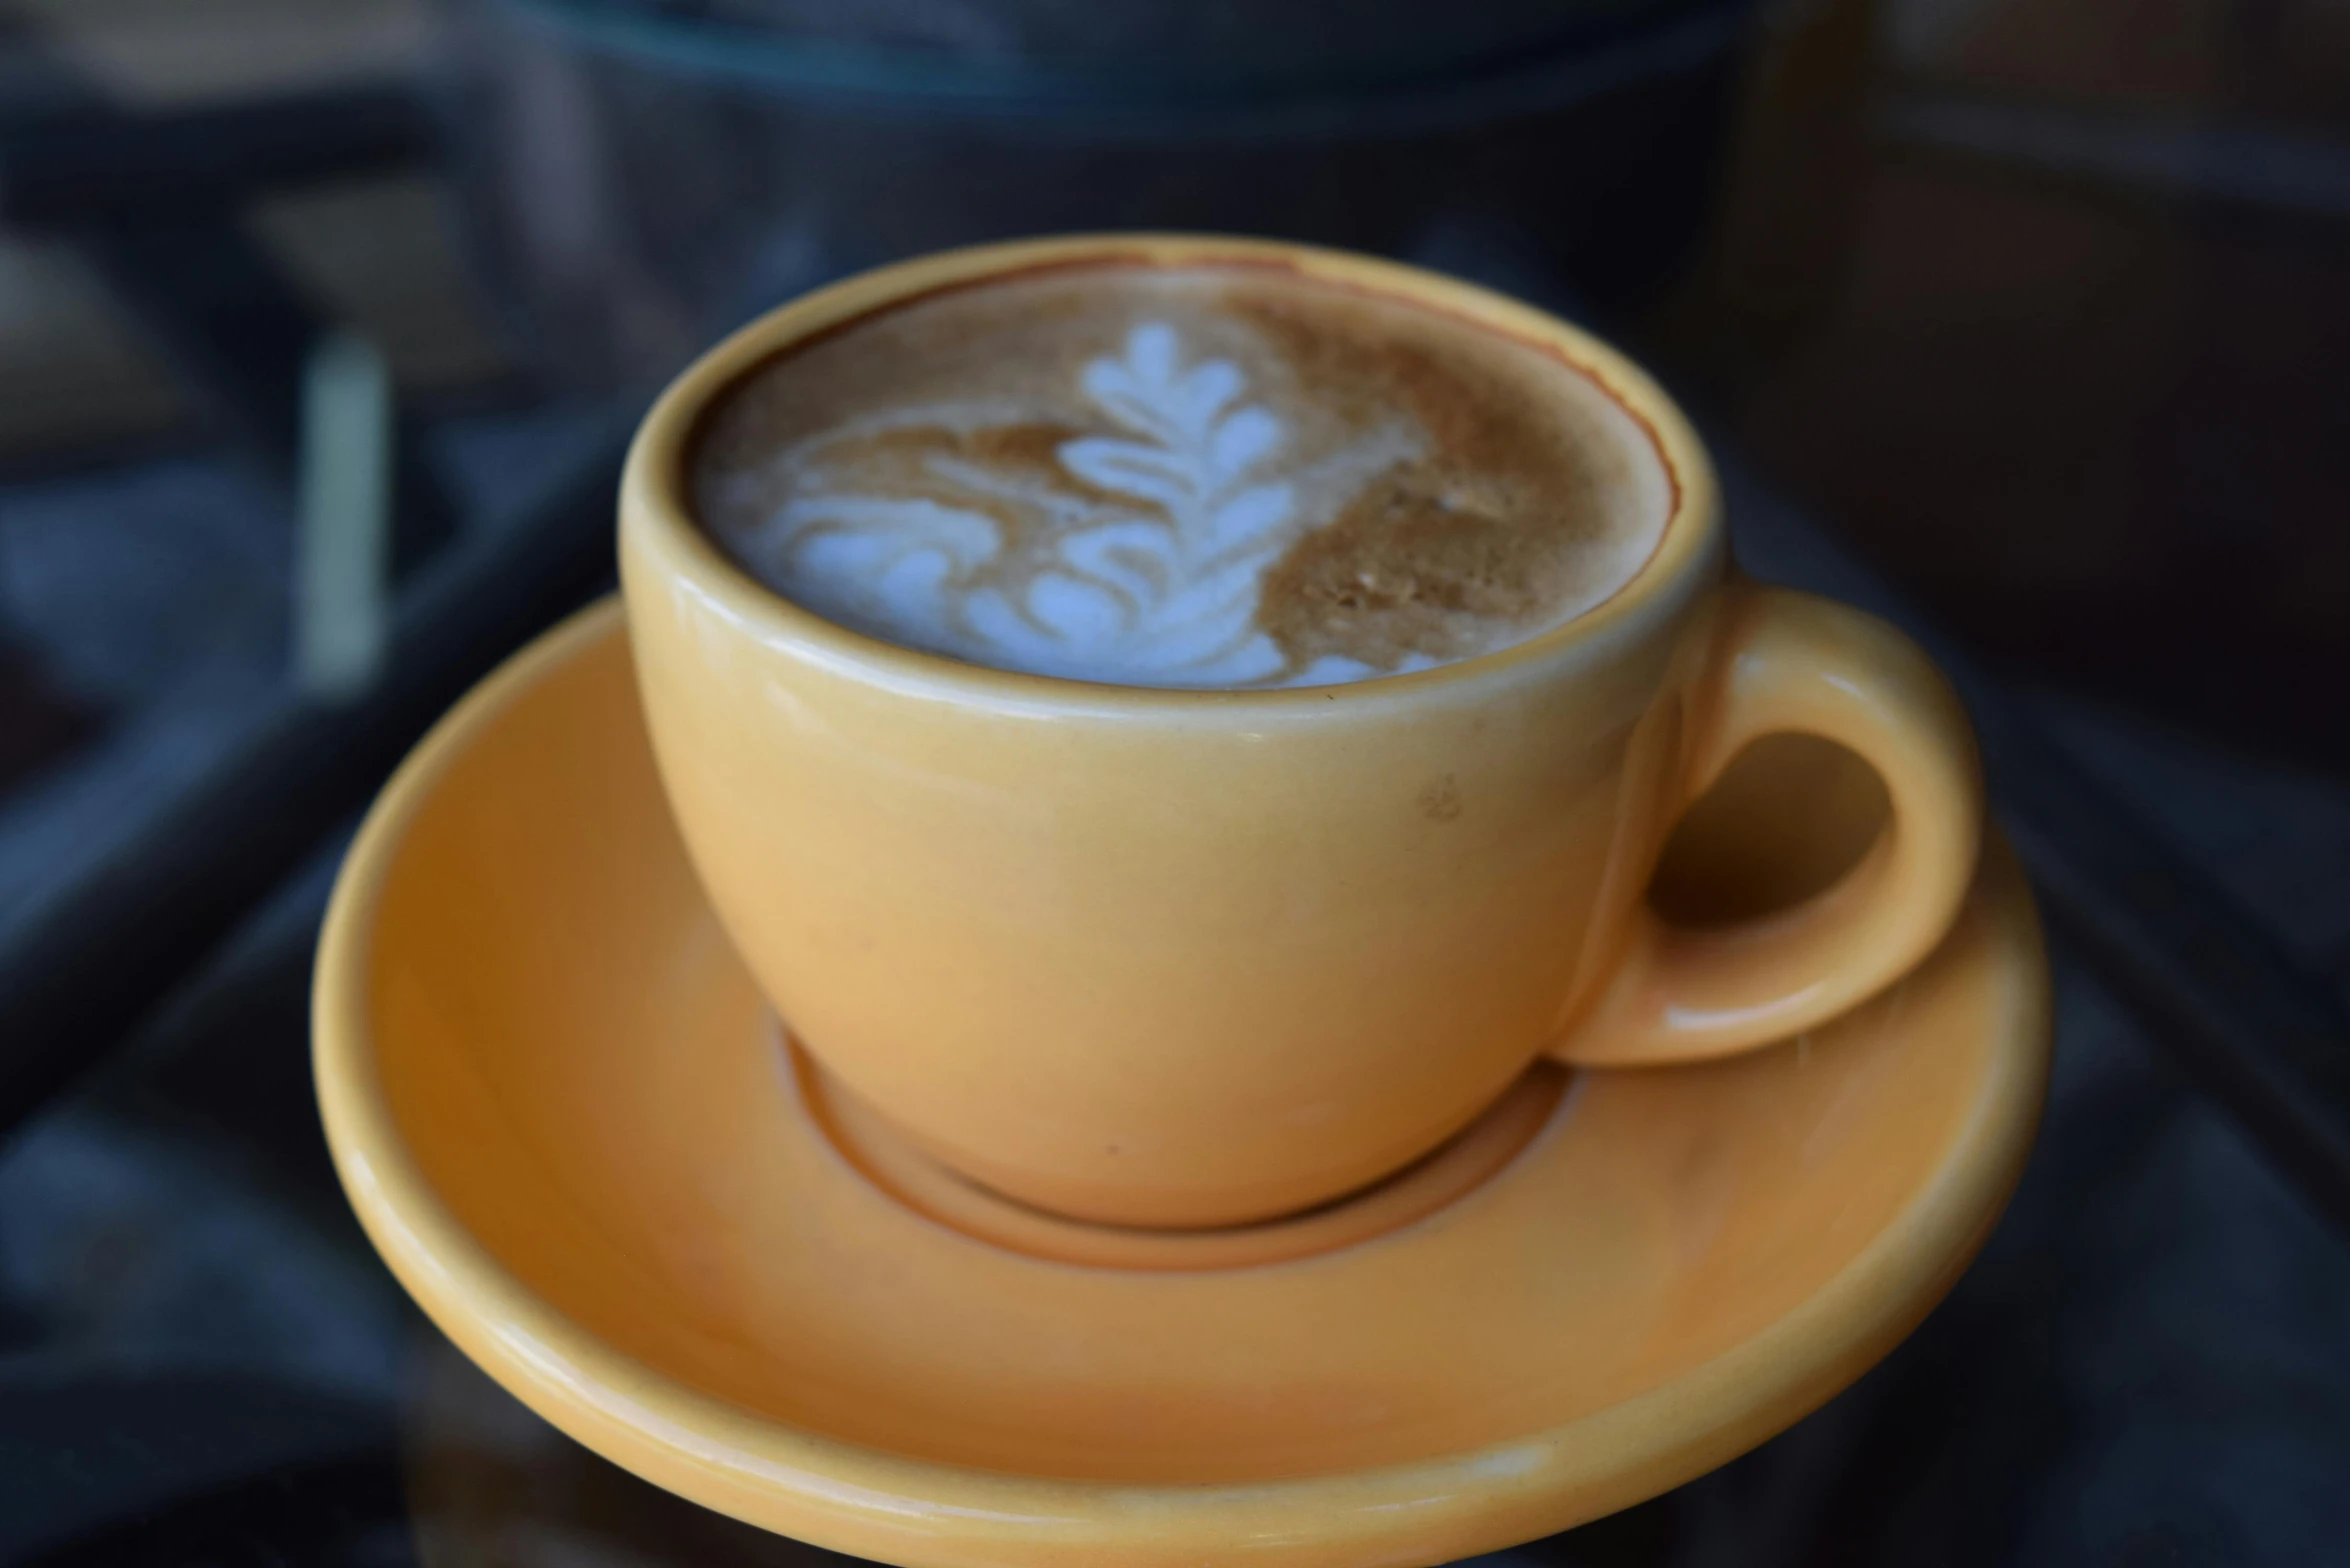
<point>564,1119</point>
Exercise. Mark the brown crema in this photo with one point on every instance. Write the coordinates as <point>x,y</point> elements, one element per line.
<point>1187,476</point>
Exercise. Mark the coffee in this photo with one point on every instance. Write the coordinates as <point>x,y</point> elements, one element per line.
<point>1194,476</point>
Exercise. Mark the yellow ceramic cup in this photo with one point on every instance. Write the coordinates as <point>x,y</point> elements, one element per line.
<point>1196,958</point>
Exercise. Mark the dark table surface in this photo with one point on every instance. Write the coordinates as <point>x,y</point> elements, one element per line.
<point>2083,402</point>
<point>201,1361</point>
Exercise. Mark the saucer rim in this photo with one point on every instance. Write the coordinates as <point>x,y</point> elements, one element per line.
<point>899,1508</point>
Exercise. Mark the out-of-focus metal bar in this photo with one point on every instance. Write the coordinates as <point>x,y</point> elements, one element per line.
<point>340,581</point>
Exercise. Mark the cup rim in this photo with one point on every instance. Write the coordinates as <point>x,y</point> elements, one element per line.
<point>656,511</point>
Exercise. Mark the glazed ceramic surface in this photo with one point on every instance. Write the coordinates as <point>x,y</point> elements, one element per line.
<point>563,1113</point>
<point>1195,958</point>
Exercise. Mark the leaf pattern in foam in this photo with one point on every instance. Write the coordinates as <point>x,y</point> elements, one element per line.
<point>1151,573</point>
<point>880,564</point>
<point>1186,580</point>
<point>1130,555</point>
<point>1130,468</point>
<point>1149,390</point>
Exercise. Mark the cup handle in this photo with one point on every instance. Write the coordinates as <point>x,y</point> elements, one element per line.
<point>1792,662</point>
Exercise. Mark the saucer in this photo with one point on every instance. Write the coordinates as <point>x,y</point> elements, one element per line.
<point>565,1119</point>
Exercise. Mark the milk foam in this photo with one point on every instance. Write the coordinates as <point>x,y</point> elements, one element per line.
<point>1133,549</point>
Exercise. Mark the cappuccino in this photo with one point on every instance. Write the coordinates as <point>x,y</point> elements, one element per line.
<point>1184,476</point>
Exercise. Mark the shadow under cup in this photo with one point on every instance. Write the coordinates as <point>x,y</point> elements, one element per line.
<point>1075,960</point>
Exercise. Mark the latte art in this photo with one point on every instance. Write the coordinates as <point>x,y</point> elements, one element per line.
<point>1137,514</point>
<point>1158,538</point>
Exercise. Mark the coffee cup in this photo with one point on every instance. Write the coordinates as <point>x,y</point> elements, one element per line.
<point>1158,956</point>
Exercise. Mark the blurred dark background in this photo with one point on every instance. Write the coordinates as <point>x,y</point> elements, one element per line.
<point>2025,321</point>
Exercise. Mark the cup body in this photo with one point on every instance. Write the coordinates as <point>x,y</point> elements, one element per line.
<point>1151,957</point>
